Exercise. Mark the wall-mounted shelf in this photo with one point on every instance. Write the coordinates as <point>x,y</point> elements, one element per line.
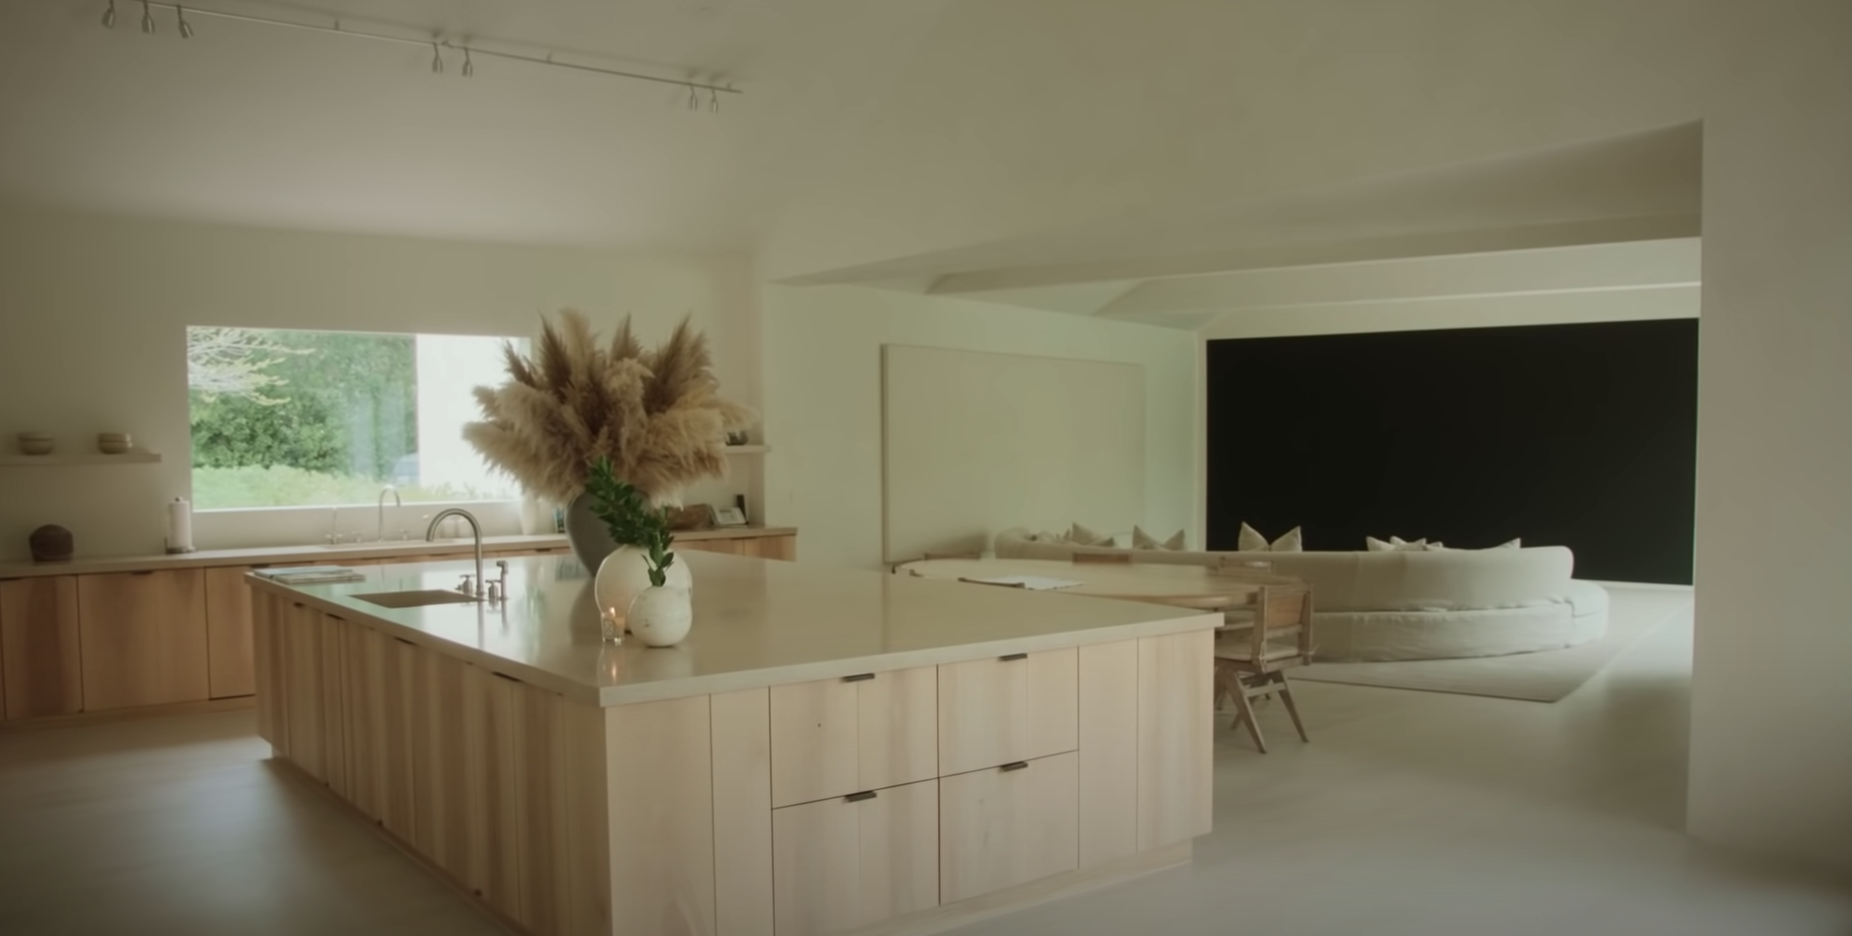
<point>135,456</point>
<point>748,449</point>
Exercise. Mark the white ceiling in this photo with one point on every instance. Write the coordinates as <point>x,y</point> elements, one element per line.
<point>254,124</point>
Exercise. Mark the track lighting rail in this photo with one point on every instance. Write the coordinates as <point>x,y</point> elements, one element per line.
<point>437,43</point>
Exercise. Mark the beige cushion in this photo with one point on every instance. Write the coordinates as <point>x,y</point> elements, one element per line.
<point>1398,544</point>
<point>1081,536</point>
<point>1252,541</point>
<point>1143,540</point>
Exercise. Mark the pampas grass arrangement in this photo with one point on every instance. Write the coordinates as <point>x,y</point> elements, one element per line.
<point>657,415</point>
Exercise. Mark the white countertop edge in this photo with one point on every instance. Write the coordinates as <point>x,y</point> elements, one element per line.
<point>325,555</point>
<point>904,659</point>
<point>684,687</point>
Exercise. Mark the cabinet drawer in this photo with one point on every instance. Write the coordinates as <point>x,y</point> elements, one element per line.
<point>1008,825</point>
<point>843,863</point>
<point>1005,709</point>
<point>833,737</point>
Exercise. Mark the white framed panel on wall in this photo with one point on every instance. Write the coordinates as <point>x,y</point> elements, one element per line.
<point>975,442</point>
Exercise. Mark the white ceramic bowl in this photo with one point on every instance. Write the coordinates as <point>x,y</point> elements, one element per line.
<point>112,443</point>
<point>35,443</point>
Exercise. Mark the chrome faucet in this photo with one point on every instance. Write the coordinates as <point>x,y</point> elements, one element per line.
<point>396,502</point>
<point>430,535</point>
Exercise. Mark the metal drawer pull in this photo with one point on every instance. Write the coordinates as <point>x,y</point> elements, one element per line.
<point>858,797</point>
<point>1013,656</point>
<point>858,677</point>
<point>1019,765</point>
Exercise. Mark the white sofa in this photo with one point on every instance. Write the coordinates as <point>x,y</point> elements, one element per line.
<point>1413,605</point>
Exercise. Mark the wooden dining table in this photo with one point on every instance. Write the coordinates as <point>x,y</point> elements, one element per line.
<point>1187,586</point>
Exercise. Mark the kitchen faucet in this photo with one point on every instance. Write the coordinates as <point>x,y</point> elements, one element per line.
<point>396,502</point>
<point>430,535</point>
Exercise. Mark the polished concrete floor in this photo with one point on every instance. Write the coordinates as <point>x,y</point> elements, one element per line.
<point>1409,813</point>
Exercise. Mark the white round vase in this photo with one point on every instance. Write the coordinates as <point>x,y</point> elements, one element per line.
<point>624,574</point>
<point>661,616</point>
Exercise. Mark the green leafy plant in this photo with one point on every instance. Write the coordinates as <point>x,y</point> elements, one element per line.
<point>626,513</point>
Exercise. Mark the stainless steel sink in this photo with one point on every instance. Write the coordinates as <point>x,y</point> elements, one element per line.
<point>416,599</point>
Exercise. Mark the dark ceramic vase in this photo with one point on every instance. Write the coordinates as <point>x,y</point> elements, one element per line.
<point>52,543</point>
<point>591,540</point>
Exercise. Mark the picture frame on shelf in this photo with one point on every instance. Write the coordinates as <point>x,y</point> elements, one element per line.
<point>726,515</point>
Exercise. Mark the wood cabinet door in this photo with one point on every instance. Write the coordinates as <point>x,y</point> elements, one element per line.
<point>440,774</point>
<point>1008,825</point>
<point>843,863</point>
<point>897,728</point>
<point>1176,711</point>
<point>815,750</point>
<point>143,638</point>
<point>833,737</point>
<point>301,637</point>
<point>333,632</point>
<point>1005,709</point>
<point>899,845</point>
<point>229,654</point>
<point>268,613</point>
<point>39,647</point>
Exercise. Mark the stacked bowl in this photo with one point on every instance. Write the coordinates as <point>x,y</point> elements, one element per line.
<point>35,443</point>
<point>113,443</point>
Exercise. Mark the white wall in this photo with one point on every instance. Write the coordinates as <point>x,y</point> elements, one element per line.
<point>823,401</point>
<point>1025,115</point>
<point>95,311</point>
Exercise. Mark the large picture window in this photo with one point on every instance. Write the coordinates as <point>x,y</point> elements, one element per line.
<point>284,418</point>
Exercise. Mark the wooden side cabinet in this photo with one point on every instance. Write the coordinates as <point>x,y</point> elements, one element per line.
<point>143,638</point>
<point>39,650</point>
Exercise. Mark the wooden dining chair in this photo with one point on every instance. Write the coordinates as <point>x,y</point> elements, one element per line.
<point>1112,558</point>
<point>1252,661</point>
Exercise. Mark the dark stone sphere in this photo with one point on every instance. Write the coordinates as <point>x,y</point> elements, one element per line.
<point>52,543</point>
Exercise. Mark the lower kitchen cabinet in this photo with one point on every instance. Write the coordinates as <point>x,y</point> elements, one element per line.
<point>40,663</point>
<point>143,638</point>
<point>1008,825</point>
<point>850,861</point>
<point>229,669</point>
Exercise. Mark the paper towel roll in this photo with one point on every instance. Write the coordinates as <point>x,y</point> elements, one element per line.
<point>180,526</point>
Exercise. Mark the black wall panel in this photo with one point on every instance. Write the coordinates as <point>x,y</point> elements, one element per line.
<point>1576,435</point>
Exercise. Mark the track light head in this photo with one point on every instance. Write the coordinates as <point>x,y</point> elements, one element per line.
<point>147,18</point>
<point>437,60</point>
<point>109,16</point>
<point>186,28</point>
<point>469,67</point>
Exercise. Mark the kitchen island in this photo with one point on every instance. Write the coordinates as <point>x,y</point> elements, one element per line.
<point>829,751</point>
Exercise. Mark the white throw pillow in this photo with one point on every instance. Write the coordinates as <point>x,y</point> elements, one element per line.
<point>1143,540</point>
<point>1252,541</point>
<point>1081,536</point>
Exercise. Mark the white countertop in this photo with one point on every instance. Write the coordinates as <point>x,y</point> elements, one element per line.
<point>324,555</point>
<point>757,622</point>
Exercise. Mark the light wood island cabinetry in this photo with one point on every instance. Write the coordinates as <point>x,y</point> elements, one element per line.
<point>830,751</point>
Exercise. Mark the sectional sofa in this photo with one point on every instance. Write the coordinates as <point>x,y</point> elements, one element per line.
<point>1411,605</point>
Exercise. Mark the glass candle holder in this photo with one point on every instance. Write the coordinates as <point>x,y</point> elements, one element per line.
<point>610,627</point>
